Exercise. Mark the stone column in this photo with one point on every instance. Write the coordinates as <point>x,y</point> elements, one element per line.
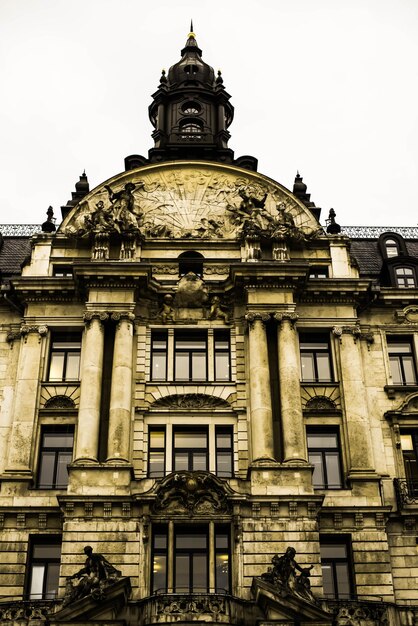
<point>26,398</point>
<point>293,431</point>
<point>355,400</point>
<point>260,393</point>
<point>121,390</point>
<point>91,388</point>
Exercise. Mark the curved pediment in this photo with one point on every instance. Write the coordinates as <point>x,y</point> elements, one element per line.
<point>189,200</point>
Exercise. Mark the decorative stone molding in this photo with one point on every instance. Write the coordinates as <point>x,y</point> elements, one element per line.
<point>117,316</point>
<point>191,401</point>
<point>357,613</point>
<point>203,605</point>
<point>355,331</point>
<point>192,493</point>
<point>38,610</point>
<point>338,521</point>
<point>408,315</point>
<point>88,509</point>
<point>320,397</point>
<point>88,316</point>
<point>289,316</point>
<point>60,396</point>
<point>42,521</point>
<point>60,402</point>
<point>254,316</point>
<point>25,329</point>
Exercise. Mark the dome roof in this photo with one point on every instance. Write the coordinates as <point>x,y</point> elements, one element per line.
<point>191,68</point>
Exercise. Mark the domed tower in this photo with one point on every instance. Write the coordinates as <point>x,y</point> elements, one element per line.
<point>191,113</point>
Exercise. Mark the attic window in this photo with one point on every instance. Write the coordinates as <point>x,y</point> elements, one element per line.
<point>391,248</point>
<point>191,69</point>
<point>405,278</point>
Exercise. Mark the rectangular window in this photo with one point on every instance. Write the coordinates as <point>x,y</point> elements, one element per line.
<point>336,568</point>
<point>222,355</point>
<point>409,446</point>
<point>156,455</point>
<point>184,356</point>
<point>405,278</point>
<point>402,361</point>
<point>159,356</point>
<point>43,568</point>
<point>318,272</point>
<point>190,561</point>
<point>224,451</point>
<point>64,359</point>
<point>190,449</point>
<point>63,271</point>
<point>315,357</point>
<point>55,454</point>
<point>190,356</point>
<point>324,454</point>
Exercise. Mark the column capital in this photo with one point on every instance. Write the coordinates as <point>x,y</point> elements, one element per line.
<point>290,316</point>
<point>40,329</point>
<point>118,316</point>
<point>88,316</point>
<point>254,316</point>
<point>354,331</point>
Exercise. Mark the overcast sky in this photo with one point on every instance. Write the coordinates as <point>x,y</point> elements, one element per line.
<point>326,87</point>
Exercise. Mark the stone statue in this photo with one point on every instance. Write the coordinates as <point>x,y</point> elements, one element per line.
<point>96,574</point>
<point>216,312</point>
<point>167,311</point>
<point>123,208</point>
<point>283,575</point>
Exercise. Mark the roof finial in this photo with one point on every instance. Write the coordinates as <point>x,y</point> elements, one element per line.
<point>191,34</point>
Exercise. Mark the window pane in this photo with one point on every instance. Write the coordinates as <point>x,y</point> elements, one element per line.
<point>190,439</point>
<point>181,461</point>
<point>198,366</point>
<point>328,580</point>
<point>159,572</point>
<point>199,462</point>
<point>222,540</point>
<point>308,372</point>
<point>182,366</point>
<point>56,367</point>
<point>324,370</point>
<point>200,572</point>
<point>191,344</point>
<point>52,577</point>
<point>46,470</point>
<point>156,464</point>
<point>315,458</point>
<point>395,369</point>
<point>334,551</point>
<point>408,368</point>
<point>182,580</point>
<point>343,580</point>
<point>157,438</point>
<point>222,366</point>
<point>224,440</point>
<point>160,541</point>
<point>224,464</point>
<point>222,572</point>
<point>333,469</point>
<point>46,551</point>
<point>64,459</point>
<point>399,348</point>
<point>191,541</point>
<point>37,581</point>
<point>58,440</point>
<point>73,366</point>
<point>322,440</point>
<point>159,366</point>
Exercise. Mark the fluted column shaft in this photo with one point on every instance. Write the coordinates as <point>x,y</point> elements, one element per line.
<point>91,388</point>
<point>293,431</point>
<point>121,390</point>
<point>26,396</point>
<point>361,451</point>
<point>260,392</point>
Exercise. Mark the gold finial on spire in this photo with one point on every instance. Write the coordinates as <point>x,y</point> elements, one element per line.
<point>191,34</point>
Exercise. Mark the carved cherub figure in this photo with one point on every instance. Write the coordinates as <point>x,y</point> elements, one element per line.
<point>216,312</point>
<point>167,310</point>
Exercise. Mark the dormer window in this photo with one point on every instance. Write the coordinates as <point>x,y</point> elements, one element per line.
<point>405,277</point>
<point>392,248</point>
<point>191,130</point>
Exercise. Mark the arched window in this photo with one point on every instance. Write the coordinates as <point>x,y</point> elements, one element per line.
<point>392,248</point>
<point>191,108</point>
<point>191,261</point>
<point>191,129</point>
<point>405,277</point>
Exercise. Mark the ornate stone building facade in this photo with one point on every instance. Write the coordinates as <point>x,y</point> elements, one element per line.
<point>209,402</point>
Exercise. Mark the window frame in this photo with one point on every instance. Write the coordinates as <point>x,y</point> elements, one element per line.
<point>219,336</point>
<point>219,430</point>
<point>345,541</point>
<point>400,357</point>
<point>69,337</point>
<point>315,270</point>
<point>406,278</point>
<point>34,542</point>
<point>308,337</point>
<point>159,336</point>
<point>324,452</point>
<point>191,352</point>
<point>55,450</point>
<point>156,449</point>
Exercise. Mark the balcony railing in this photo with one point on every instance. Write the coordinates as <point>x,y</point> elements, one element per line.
<point>406,492</point>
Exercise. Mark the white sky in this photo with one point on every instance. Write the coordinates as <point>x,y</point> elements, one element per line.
<point>328,87</point>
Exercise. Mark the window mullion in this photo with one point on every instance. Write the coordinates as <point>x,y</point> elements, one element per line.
<point>212,560</point>
<point>170,354</point>
<point>171,556</point>
<point>210,356</point>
